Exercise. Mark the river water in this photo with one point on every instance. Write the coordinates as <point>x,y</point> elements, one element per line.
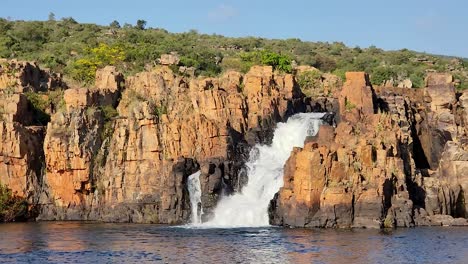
<point>74,242</point>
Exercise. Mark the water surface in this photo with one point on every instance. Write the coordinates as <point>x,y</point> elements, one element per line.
<point>69,242</point>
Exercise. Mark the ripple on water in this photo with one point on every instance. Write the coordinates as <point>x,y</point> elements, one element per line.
<point>123,243</point>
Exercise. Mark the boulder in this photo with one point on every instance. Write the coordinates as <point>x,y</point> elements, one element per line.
<point>169,59</point>
<point>435,78</point>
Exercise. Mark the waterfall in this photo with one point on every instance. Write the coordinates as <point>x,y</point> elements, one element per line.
<point>249,208</point>
<point>194,189</point>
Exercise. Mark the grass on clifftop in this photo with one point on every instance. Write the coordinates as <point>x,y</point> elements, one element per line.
<point>76,50</point>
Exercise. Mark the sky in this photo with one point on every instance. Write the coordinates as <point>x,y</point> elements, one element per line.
<point>432,26</point>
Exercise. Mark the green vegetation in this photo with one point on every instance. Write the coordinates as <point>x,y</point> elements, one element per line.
<point>77,50</point>
<point>389,221</point>
<point>84,69</point>
<point>310,82</point>
<point>42,103</point>
<point>349,106</point>
<point>12,207</point>
<point>277,61</point>
<point>381,74</point>
<point>109,113</point>
<point>159,110</point>
<point>38,104</point>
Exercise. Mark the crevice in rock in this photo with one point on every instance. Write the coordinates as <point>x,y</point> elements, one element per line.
<point>460,208</point>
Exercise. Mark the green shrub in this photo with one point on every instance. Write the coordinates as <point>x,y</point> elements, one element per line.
<point>349,106</point>
<point>417,79</point>
<point>109,112</point>
<point>160,110</point>
<point>277,61</point>
<point>389,221</point>
<point>84,69</point>
<point>463,85</point>
<point>205,62</point>
<point>381,74</point>
<point>56,99</point>
<point>310,82</point>
<point>38,105</point>
<point>12,207</point>
<point>233,63</point>
<point>340,73</point>
<point>324,63</point>
<point>463,82</point>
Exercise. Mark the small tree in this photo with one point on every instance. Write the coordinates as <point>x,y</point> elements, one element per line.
<point>114,24</point>
<point>69,20</point>
<point>381,74</point>
<point>141,24</point>
<point>277,61</point>
<point>51,16</point>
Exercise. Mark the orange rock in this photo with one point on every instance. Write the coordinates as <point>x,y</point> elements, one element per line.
<point>22,76</point>
<point>434,79</point>
<point>108,78</point>
<point>78,98</point>
<point>20,147</point>
<point>356,94</point>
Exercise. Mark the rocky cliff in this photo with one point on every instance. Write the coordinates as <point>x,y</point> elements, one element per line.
<point>123,149</point>
<point>21,156</point>
<point>398,157</point>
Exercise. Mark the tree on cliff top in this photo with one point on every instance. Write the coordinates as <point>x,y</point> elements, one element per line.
<point>141,24</point>
<point>114,24</point>
<point>277,61</point>
<point>51,16</point>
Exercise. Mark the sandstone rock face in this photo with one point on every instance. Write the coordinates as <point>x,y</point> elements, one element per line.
<point>356,94</point>
<point>135,168</point>
<point>21,155</point>
<point>438,79</point>
<point>123,153</point>
<point>109,84</point>
<point>20,76</point>
<point>372,170</point>
<point>109,78</point>
<point>438,123</point>
<point>71,143</point>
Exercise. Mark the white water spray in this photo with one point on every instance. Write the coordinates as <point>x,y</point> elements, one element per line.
<point>194,189</point>
<point>249,208</point>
